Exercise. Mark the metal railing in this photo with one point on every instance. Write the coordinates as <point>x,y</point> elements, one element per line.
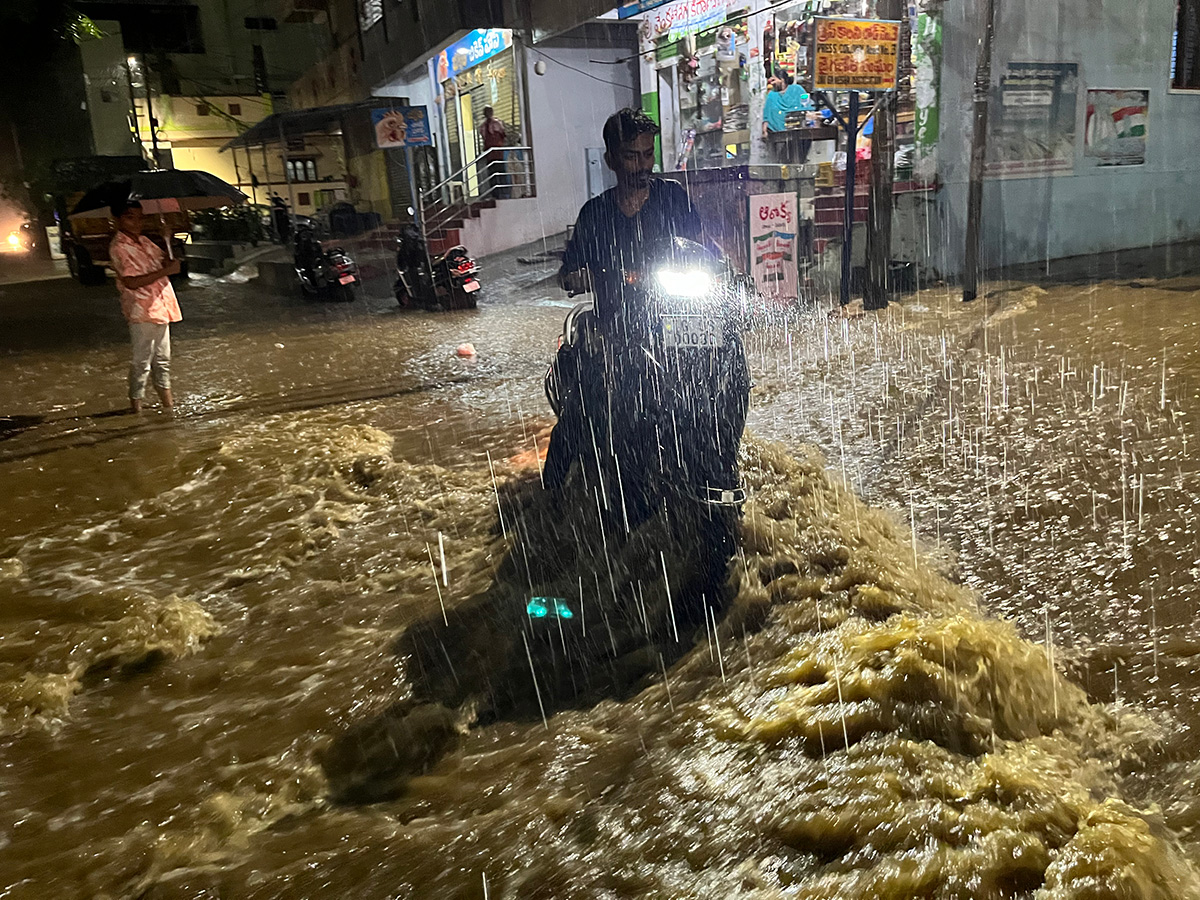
<point>500,174</point>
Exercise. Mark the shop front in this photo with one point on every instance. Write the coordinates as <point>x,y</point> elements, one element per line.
<point>707,69</point>
<point>478,72</point>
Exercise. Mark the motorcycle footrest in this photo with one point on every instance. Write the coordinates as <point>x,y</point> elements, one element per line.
<point>715,496</point>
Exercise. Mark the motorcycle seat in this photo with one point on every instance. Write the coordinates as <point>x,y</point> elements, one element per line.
<point>441,258</point>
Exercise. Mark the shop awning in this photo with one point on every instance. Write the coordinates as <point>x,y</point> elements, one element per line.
<point>301,122</point>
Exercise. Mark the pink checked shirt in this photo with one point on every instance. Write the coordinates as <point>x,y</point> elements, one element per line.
<point>155,302</point>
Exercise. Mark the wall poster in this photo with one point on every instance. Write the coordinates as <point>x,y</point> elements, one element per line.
<point>1115,134</point>
<point>1032,130</point>
<point>773,246</point>
<point>401,126</point>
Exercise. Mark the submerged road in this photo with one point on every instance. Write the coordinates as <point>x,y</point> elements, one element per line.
<point>191,604</point>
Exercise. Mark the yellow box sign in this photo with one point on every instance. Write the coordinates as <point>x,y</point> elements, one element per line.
<point>856,54</point>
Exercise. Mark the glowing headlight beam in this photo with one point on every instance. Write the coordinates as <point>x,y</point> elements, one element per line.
<point>690,283</point>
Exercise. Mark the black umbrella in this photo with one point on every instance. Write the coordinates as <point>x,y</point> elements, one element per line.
<point>160,191</point>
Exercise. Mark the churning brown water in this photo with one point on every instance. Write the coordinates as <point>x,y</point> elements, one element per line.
<point>194,611</point>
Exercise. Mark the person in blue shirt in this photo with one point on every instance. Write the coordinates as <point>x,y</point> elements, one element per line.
<point>784,97</point>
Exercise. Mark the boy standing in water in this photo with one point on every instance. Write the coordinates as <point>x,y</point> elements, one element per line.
<point>148,302</point>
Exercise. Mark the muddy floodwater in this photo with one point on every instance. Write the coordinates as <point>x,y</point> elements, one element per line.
<point>956,657</point>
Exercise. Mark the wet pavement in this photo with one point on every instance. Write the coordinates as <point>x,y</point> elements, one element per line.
<point>194,603</point>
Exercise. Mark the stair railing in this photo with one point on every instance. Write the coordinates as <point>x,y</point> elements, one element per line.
<point>500,174</point>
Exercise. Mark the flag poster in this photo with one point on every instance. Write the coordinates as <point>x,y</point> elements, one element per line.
<point>1116,127</point>
<point>774,261</point>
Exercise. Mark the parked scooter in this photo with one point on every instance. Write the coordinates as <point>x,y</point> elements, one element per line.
<point>446,281</point>
<point>324,272</point>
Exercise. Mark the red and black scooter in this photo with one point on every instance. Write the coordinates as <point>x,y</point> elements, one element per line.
<point>445,281</point>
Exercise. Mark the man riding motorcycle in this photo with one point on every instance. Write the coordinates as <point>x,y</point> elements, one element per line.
<point>623,241</point>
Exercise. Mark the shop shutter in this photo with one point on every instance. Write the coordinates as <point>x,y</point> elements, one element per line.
<point>503,95</point>
<point>398,183</point>
<point>451,114</point>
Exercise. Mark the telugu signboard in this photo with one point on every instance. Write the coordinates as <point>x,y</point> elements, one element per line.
<point>774,262</point>
<point>856,54</point>
<point>401,126</point>
<point>1033,125</point>
<point>672,21</point>
<point>1116,127</point>
<point>481,44</point>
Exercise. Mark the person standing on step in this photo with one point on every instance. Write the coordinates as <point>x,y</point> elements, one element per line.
<point>493,133</point>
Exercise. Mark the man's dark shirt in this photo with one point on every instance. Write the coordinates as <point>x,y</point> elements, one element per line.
<point>608,243</point>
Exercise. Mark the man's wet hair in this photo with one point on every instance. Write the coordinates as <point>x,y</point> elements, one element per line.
<point>121,207</point>
<point>627,125</point>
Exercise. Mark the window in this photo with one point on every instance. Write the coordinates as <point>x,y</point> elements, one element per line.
<point>202,109</point>
<point>1185,52</point>
<point>303,199</point>
<point>261,23</point>
<point>235,109</point>
<point>302,169</point>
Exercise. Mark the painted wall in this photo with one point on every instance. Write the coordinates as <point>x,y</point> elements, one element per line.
<point>106,81</point>
<point>1097,208</point>
<point>567,112</point>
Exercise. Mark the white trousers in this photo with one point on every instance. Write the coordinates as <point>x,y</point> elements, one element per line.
<point>151,357</point>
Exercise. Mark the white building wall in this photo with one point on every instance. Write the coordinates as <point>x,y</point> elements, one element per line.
<point>1097,208</point>
<point>567,112</point>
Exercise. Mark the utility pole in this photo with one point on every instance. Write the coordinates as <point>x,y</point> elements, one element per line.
<point>877,288</point>
<point>150,112</point>
<point>983,86</point>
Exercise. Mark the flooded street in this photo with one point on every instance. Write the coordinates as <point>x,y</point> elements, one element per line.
<point>958,659</point>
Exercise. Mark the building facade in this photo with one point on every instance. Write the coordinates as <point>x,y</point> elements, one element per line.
<point>1093,131</point>
<point>174,82</point>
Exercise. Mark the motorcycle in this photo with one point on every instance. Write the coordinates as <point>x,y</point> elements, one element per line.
<point>654,410</point>
<point>446,281</point>
<point>324,271</point>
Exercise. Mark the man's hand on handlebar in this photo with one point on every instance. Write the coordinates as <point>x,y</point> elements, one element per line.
<point>576,282</point>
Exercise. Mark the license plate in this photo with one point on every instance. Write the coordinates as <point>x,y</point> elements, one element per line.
<point>692,332</point>
<point>471,287</point>
<point>346,279</point>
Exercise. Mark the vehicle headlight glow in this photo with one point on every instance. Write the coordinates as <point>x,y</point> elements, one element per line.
<point>689,283</point>
<point>14,239</point>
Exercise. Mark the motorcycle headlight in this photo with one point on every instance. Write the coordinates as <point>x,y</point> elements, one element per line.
<point>688,284</point>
